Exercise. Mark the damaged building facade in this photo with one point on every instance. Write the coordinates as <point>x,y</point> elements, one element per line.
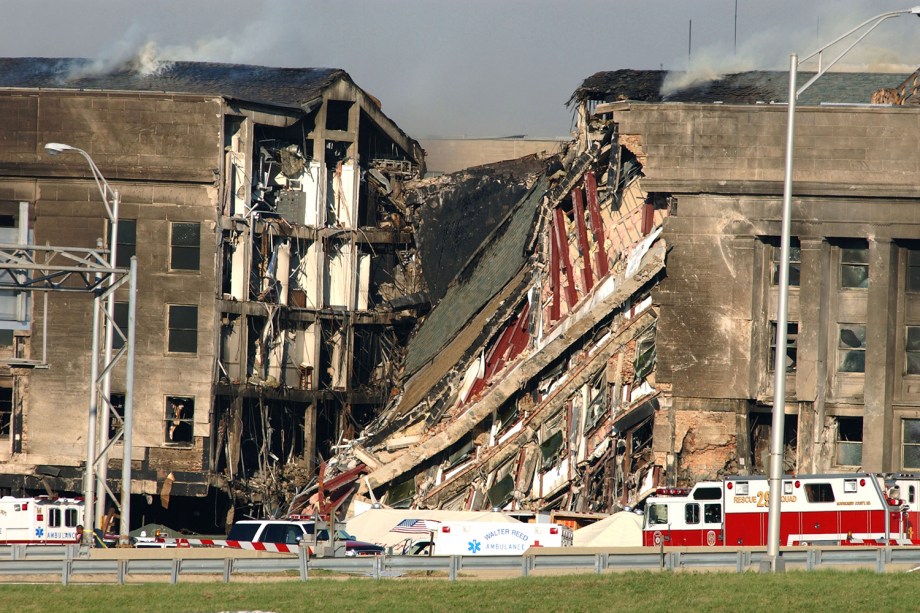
<point>615,330</point>
<point>277,277</point>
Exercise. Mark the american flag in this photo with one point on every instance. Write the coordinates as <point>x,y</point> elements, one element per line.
<point>416,526</point>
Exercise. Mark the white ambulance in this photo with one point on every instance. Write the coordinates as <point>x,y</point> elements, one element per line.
<point>40,521</point>
<point>471,538</point>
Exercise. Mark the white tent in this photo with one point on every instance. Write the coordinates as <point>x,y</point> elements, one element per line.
<point>376,525</point>
<point>622,529</point>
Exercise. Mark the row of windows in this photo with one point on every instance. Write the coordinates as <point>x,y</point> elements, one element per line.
<point>854,265</point>
<point>851,348</point>
<point>184,244</point>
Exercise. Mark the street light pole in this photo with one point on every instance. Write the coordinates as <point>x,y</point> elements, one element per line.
<point>779,364</point>
<point>111,200</point>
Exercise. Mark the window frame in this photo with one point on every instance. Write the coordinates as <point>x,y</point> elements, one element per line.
<point>170,328</point>
<point>176,250</point>
<point>843,350</point>
<point>912,445</point>
<point>846,261</point>
<point>911,350</point>
<point>125,249</point>
<point>177,421</point>
<point>792,347</point>
<point>838,441</point>
<point>795,263</point>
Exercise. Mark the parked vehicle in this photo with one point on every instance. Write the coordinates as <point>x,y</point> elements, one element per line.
<point>287,534</point>
<point>851,509</point>
<point>40,521</point>
<point>496,538</point>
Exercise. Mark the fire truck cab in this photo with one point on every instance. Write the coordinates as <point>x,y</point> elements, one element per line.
<point>40,521</point>
<point>685,517</point>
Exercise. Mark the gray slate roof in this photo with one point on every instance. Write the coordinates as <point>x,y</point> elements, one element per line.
<point>291,87</point>
<point>500,258</point>
<point>739,88</point>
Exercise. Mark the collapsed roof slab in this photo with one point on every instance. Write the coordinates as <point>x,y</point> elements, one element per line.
<point>605,297</point>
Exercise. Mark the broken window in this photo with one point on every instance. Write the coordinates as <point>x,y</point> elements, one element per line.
<point>185,246</point>
<point>912,346</point>
<point>6,412</point>
<point>550,449</point>
<point>337,114</point>
<point>645,353</point>
<point>597,407</point>
<point>502,487</point>
<point>121,323</point>
<point>180,418</point>
<point>118,413</point>
<point>461,453</point>
<point>792,335</point>
<point>849,441</point>
<point>692,513</point>
<point>913,269</point>
<point>401,494</point>
<point>507,415</point>
<point>127,242</point>
<point>851,348</point>
<point>795,263</point>
<point>819,492</point>
<point>854,265</point>
<point>183,328</point>
<point>910,443</point>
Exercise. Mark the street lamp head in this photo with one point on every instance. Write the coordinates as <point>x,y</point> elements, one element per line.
<point>55,148</point>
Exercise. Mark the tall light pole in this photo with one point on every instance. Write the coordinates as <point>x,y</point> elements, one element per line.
<point>779,365</point>
<point>95,504</point>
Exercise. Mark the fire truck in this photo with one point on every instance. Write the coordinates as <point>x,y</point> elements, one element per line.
<point>851,509</point>
<point>40,521</point>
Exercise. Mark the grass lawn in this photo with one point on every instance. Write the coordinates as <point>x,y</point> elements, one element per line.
<point>634,591</point>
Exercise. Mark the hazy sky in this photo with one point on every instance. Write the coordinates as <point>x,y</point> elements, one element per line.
<point>466,67</point>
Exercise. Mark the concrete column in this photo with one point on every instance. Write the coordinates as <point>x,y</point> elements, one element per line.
<point>811,360</point>
<point>881,331</point>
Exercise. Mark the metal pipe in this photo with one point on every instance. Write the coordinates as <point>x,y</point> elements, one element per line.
<point>124,524</point>
<point>89,476</point>
<point>106,415</point>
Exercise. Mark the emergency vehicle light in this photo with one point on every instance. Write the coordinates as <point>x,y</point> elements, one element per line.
<point>797,484</point>
<point>729,485</point>
<point>862,482</point>
<point>554,530</point>
<point>445,529</point>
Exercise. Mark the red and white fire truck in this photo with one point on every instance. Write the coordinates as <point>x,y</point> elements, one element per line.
<point>40,521</point>
<point>851,509</point>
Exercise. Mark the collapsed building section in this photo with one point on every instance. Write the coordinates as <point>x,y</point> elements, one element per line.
<point>530,385</point>
<point>566,368</point>
<point>278,280</point>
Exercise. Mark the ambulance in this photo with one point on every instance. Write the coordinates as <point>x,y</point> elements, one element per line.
<point>40,521</point>
<point>851,509</point>
<point>471,538</point>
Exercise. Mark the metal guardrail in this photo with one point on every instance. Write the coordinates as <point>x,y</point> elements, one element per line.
<point>69,562</point>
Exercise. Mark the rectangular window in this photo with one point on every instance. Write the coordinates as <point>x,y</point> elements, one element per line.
<point>116,420</point>
<point>795,263</point>
<point>912,346</point>
<point>819,492</point>
<point>658,514</point>
<point>692,513</point>
<point>127,242</point>
<point>851,348</point>
<point>854,265</point>
<point>913,270</point>
<point>120,334</point>
<point>185,246</point>
<point>910,443</point>
<point>792,337</point>
<point>6,412</point>
<point>54,518</point>
<point>712,513</point>
<point>70,518</point>
<point>849,441</point>
<point>180,419</point>
<point>183,329</point>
